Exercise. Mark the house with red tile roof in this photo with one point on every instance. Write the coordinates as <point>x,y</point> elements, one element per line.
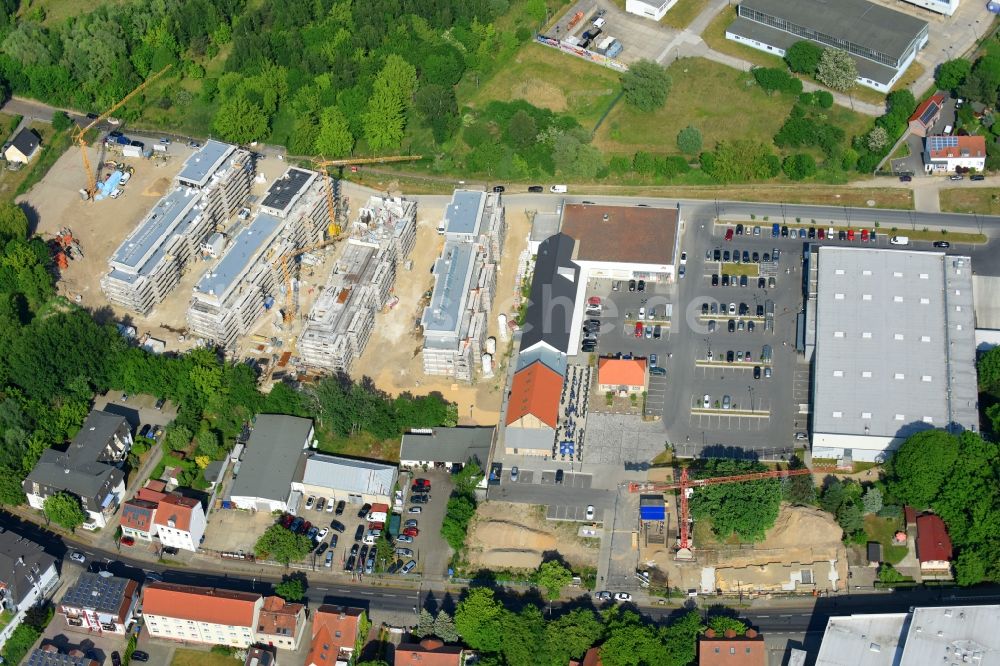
<point>281,624</point>
<point>201,614</point>
<point>334,635</point>
<point>948,154</point>
<point>926,116</point>
<point>933,545</point>
<point>621,375</point>
<point>428,652</point>
<point>136,520</point>
<point>177,521</point>
<point>533,410</point>
<point>591,658</point>
<point>731,649</point>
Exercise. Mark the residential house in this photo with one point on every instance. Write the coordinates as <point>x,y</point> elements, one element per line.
<point>428,652</point>
<point>732,650</point>
<point>258,656</point>
<point>49,655</point>
<point>933,545</point>
<point>137,519</point>
<point>100,604</point>
<point>334,635</point>
<point>621,375</point>
<point>177,521</point>
<point>947,154</point>
<point>927,115</point>
<point>27,573</point>
<point>201,614</point>
<point>281,624</point>
<point>90,468</point>
<point>533,410</point>
<point>23,147</point>
<point>269,464</point>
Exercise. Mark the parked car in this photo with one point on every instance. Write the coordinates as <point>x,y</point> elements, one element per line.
<point>590,512</point>
<point>365,508</point>
<point>942,244</point>
<point>756,372</point>
<point>623,596</point>
<point>139,655</point>
<point>127,541</point>
<point>329,505</point>
<point>499,189</point>
<point>349,565</point>
<point>536,188</point>
<point>404,552</point>
<point>320,503</point>
<point>559,476</point>
<point>311,534</point>
<point>408,567</point>
<point>310,502</point>
<point>77,557</point>
<point>411,532</point>
<point>414,509</point>
<point>321,548</point>
<point>412,522</point>
<point>726,402</point>
<point>404,538</point>
<point>603,596</point>
<point>116,659</point>
<point>640,285</point>
<point>359,533</point>
<point>340,508</point>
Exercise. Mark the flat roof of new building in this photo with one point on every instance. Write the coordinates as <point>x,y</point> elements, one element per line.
<point>953,635</point>
<point>452,274</point>
<point>143,247</point>
<point>622,234</point>
<point>465,212</point>
<point>860,22</point>
<point>245,250</point>
<point>758,32</point>
<point>895,342</point>
<point>284,191</point>
<point>863,640</point>
<point>199,167</point>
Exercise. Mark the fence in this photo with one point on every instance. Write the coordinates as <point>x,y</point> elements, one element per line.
<point>574,50</point>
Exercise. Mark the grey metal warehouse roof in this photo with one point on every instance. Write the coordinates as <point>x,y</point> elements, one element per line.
<point>272,454</point>
<point>464,214</point>
<point>862,640</point>
<point>199,167</point>
<point>347,474</point>
<point>857,21</point>
<point>244,250</point>
<point>448,444</point>
<point>955,635</point>
<point>895,342</point>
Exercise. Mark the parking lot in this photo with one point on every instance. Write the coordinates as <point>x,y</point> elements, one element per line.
<point>640,37</point>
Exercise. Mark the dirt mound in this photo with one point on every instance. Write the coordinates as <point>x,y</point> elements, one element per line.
<point>801,534</point>
<point>158,188</point>
<point>540,93</point>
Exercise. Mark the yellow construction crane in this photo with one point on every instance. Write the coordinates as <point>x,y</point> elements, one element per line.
<point>78,137</point>
<point>334,229</point>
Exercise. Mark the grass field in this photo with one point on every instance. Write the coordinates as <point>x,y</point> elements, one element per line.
<point>750,270</point>
<point>551,80</point>
<point>681,14</point>
<point>198,658</point>
<point>882,530</point>
<point>56,11</point>
<point>982,200</point>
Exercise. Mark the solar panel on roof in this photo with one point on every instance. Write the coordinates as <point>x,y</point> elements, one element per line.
<point>940,142</point>
<point>929,113</point>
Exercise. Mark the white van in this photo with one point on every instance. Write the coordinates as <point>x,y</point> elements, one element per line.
<point>558,189</point>
<point>899,240</point>
<point>599,23</point>
<point>947,129</point>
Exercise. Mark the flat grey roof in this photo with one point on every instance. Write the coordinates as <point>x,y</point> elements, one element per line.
<point>863,640</point>
<point>868,69</point>
<point>860,22</point>
<point>284,191</point>
<point>199,167</point>
<point>448,445</point>
<point>92,590</point>
<point>452,274</point>
<point>465,212</point>
<point>347,474</point>
<point>895,337</point>
<point>143,247</point>
<point>543,226</point>
<point>956,635</point>
<point>245,250</point>
<point>271,457</point>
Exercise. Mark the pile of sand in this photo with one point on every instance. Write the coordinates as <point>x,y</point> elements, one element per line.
<point>801,533</point>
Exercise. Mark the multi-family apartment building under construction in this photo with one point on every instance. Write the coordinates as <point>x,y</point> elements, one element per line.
<point>211,187</point>
<point>343,318</point>
<point>248,278</point>
<point>455,322</point>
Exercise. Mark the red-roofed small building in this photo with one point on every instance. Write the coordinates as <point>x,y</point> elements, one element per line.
<point>334,635</point>
<point>428,652</point>
<point>533,410</point>
<point>281,624</point>
<point>732,650</point>
<point>621,375</point>
<point>201,614</point>
<point>926,115</point>
<point>177,521</point>
<point>933,545</point>
<point>946,154</point>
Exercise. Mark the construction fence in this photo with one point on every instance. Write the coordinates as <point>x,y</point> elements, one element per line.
<point>574,50</point>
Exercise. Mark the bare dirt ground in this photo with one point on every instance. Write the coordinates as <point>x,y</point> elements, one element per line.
<point>515,536</point>
<point>100,227</point>
<point>393,357</point>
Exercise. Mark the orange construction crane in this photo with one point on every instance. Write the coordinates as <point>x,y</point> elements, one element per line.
<point>687,485</point>
<point>286,274</point>
<point>328,181</point>
<point>80,141</point>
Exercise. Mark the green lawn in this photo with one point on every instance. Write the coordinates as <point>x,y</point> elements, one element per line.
<point>198,658</point>
<point>882,530</point>
<point>982,200</point>
<point>681,14</point>
<point>551,80</point>
<point>715,37</point>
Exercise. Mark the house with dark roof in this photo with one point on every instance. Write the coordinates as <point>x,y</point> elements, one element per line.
<point>136,520</point>
<point>927,115</point>
<point>100,604</point>
<point>270,462</point>
<point>428,652</point>
<point>446,447</point>
<point>933,545</point>
<point>49,655</point>
<point>89,468</point>
<point>281,624</point>
<point>334,635</point>
<point>27,573</point>
<point>23,147</point>
<point>258,656</point>
<point>552,302</point>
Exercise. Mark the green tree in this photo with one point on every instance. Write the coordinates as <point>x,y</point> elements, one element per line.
<point>479,620</point>
<point>872,500</point>
<point>920,467</point>
<point>680,639</point>
<point>952,73</point>
<point>60,121</point>
<point>13,222</point>
<point>646,85</point>
<point>798,490</point>
<point>241,121</point>
<point>772,79</point>
<point>458,513</point>
<point>888,575</point>
<point>444,627</point>
<point>628,641</point>
<point>522,129</point>
<point>523,635</point>
<point>799,166</point>
<point>552,577</point>
<point>720,624</point>
<point>334,138</point>
<point>877,140</point>
<point>741,161</point>
<point>824,99</point>
<point>746,509</point>
<point>988,370</point>
<point>425,624</point>
<point>689,140</point>
<point>832,496</point>
<point>850,518</point>
<point>837,70</point>
<point>11,492</point>
<point>439,107</point>
<point>291,588</point>
<point>803,57</point>
<point>570,635</point>
<point>384,120</point>
<point>282,545</point>
<point>65,510</point>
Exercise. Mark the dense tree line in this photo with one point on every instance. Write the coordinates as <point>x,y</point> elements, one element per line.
<point>745,509</point>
